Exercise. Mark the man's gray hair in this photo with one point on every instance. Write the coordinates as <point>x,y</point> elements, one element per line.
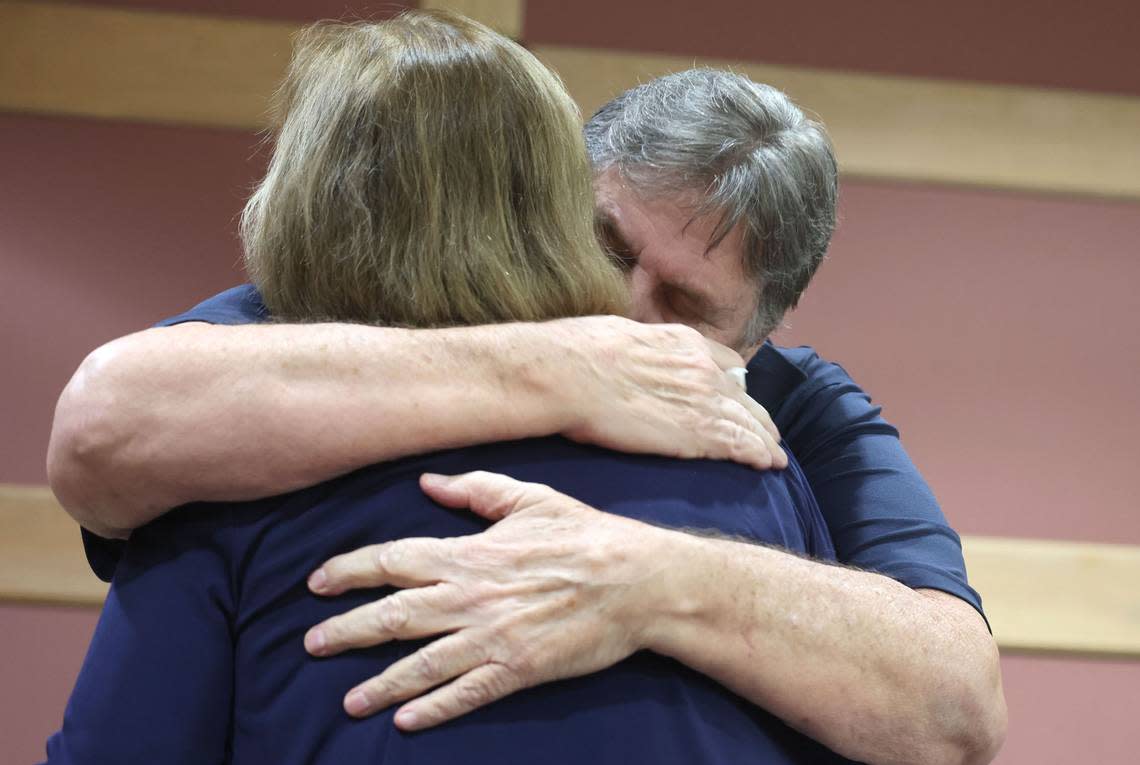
<point>748,153</point>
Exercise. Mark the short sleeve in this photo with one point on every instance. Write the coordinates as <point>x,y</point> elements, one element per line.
<point>238,305</point>
<point>881,513</point>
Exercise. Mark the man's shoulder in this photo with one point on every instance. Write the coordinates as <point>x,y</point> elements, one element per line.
<point>798,386</point>
<point>800,364</point>
<point>237,305</point>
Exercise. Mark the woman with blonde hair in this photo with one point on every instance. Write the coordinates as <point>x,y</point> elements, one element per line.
<point>427,172</point>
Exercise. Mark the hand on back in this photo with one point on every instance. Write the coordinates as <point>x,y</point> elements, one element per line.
<point>662,389</point>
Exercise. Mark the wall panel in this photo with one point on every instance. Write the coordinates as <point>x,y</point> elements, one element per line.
<point>1083,46</point>
<point>43,648</point>
<point>160,67</point>
<point>997,331</point>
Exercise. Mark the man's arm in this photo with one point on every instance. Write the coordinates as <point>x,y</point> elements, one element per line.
<point>199,412</point>
<point>873,669</point>
<point>876,671</point>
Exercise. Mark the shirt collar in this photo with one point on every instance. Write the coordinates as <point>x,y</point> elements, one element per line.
<point>772,378</point>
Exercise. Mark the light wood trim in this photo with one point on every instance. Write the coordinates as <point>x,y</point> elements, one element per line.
<point>921,129</point>
<point>504,16</point>
<point>1039,595</point>
<point>41,553</point>
<point>156,67</point>
<point>1058,596</point>
<point>165,67</point>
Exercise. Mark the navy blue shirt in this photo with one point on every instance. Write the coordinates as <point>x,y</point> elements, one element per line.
<point>881,514</point>
<point>198,655</point>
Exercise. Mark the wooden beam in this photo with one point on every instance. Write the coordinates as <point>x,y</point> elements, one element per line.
<point>163,67</point>
<point>920,129</point>
<point>1070,597</point>
<point>504,16</point>
<point>41,553</point>
<point>156,67</point>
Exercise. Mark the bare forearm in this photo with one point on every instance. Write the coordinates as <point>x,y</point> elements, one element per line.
<point>877,671</point>
<point>199,412</point>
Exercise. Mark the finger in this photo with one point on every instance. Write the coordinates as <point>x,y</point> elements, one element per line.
<point>436,663</point>
<point>402,563</point>
<point>730,388</point>
<point>402,615</point>
<point>759,413</point>
<point>492,495</point>
<point>478,688</point>
<point>747,440</point>
<point>738,375</point>
<point>725,357</point>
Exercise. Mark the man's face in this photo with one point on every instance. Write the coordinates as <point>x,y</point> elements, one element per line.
<point>673,276</point>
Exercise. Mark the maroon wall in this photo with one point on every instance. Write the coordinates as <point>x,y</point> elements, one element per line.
<point>1066,44</point>
<point>998,328</point>
<point>42,649</point>
<point>106,228</point>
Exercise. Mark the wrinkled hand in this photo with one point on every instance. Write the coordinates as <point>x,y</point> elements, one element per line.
<point>550,591</point>
<point>662,389</point>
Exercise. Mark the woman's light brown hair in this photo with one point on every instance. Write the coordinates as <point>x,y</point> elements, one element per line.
<point>427,172</point>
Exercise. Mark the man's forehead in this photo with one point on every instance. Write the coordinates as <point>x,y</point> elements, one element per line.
<point>675,216</point>
<point>606,202</point>
<point>677,220</point>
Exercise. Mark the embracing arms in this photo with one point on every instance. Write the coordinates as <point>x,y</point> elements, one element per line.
<point>890,674</point>
<point>199,412</point>
<point>876,671</point>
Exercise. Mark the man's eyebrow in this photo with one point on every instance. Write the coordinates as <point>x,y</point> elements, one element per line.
<point>604,216</point>
<point>606,225</point>
<point>608,213</point>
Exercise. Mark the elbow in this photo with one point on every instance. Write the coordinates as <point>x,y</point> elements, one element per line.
<point>980,743</point>
<point>991,721</point>
<point>89,436</point>
<point>975,729</point>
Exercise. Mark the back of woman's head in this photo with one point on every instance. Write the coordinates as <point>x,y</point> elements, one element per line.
<point>427,172</point>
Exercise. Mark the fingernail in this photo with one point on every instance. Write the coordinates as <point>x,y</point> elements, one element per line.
<point>406,718</point>
<point>318,580</point>
<point>739,375</point>
<point>315,641</point>
<point>435,480</point>
<point>356,703</point>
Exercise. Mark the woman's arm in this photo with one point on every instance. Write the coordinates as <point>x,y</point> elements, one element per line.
<point>199,412</point>
<point>157,683</point>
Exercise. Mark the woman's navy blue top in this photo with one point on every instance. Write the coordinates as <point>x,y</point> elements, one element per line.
<point>198,655</point>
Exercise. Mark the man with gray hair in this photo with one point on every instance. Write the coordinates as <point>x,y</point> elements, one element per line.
<point>736,151</point>
<point>718,197</point>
